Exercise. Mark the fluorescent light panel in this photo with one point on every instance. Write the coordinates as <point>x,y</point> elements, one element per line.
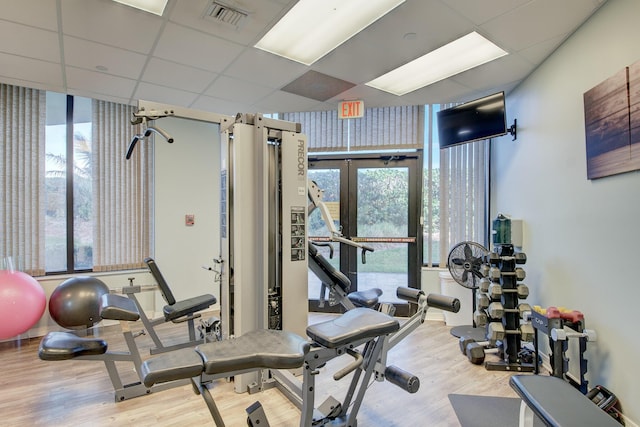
<point>313,28</point>
<point>460,55</point>
<point>152,6</point>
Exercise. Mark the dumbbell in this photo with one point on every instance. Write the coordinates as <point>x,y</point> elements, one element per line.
<point>476,352</point>
<point>494,258</point>
<point>496,331</point>
<point>480,318</point>
<point>483,286</point>
<point>572,316</point>
<point>484,270</point>
<point>482,300</point>
<point>496,290</point>
<point>562,334</point>
<point>521,258</point>
<point>494,273</point>
<point>496,310</point>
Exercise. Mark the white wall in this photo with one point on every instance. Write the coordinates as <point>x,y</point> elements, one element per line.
<point>187,181</point>
<point>582,237</point>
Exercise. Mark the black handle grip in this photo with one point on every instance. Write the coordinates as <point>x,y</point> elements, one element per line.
<point>132,145</point>
<point>443,302</point>
<point>364,253</point>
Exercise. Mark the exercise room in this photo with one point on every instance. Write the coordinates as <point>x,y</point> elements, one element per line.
<point>319,213</point>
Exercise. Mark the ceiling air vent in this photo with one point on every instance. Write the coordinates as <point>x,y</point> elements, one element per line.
<point>219,11</point>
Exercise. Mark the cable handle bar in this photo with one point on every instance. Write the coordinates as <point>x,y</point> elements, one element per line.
<point>335,237</point>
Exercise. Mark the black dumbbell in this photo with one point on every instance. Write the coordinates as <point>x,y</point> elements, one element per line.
<point>476,352</point>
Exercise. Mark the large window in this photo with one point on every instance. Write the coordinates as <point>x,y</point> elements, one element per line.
<point>71,202</point>
<point>68,184</point>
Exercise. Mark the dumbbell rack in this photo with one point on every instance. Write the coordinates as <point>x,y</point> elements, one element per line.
<point>549,320</point>
<point>505,289</point>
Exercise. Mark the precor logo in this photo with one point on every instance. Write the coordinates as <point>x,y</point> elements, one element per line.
<point>301,158</point>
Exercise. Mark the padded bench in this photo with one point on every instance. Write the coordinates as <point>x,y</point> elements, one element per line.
<point>266,348</point>
<point>557,403</point>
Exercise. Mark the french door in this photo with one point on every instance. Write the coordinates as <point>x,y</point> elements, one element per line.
<point>374,201</point>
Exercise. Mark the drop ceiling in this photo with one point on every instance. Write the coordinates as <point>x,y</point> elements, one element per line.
<point>105,50</point>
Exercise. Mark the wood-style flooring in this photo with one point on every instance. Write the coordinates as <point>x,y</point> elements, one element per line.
<point>79,393</point>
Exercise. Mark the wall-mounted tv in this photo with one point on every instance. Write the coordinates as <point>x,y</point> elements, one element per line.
<point>483,118</point>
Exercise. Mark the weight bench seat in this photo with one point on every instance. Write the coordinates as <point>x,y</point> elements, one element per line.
<point>188,306</point>
<point>354,325</point>
<point>65,346</point>
<point>558,404</point>
<point>367,298</point>
<point>260,349</point>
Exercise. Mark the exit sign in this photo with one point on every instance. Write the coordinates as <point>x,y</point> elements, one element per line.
<point>350,109</point>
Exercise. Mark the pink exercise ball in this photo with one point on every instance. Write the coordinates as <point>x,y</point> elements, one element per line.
<point>22,302</point>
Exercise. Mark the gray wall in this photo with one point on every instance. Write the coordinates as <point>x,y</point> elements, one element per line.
<point>582,237</point>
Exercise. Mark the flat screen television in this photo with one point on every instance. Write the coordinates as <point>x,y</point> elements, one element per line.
<point>483,118</point>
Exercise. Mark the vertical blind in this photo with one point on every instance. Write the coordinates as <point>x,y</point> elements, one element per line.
<point>22,156</point>
<point>380,129</point>
<point>122,191</point>
<point>463,204</point>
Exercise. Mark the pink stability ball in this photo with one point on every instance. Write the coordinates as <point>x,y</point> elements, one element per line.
<point>22,302</point>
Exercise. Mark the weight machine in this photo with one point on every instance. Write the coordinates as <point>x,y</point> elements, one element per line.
<point>263,230</point>
<point>264,263</point>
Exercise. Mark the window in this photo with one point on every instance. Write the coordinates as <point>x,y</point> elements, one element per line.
<point>68,184</point>
<point>455,191</point>
<point>71,202</point>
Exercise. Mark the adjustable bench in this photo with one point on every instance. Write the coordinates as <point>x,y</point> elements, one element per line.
<point>338,284</point>
<point>557,403</point>
<point>57,346</point>
<point>176,311</point>
<point>277,350</point>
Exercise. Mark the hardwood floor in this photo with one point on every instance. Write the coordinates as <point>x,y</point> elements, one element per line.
<point>79,392</point>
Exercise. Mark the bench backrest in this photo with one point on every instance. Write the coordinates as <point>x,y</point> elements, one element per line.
<point>162,284</point>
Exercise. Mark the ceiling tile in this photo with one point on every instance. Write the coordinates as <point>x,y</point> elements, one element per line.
<point>480,12</point>
<point>178,76</point>
<point>27,41</point>
<point>84,80</point>
<point>111,23</point>
<point>260,14</point>
<point>165,95</point>
<point>41,13</point>
<point>31,70</point>
<point>225,87</point>
<point>222,106</point>
<point>273,102</point>
<point>274,72</point>
<point>196,49</point>
<point>533,23</point>
<point>89,55</point>
<point>318,86</point>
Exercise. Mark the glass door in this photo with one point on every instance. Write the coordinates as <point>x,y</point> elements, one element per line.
<point>375,202</point>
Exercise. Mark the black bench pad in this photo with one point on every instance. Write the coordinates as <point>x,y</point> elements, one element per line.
<point>558,403</point>
<point>117,307</point>
<point>188,306</point>
<point>260,349</point>
<point>354,325</point>
<point>367,298</point>
<point>171,366</point>
<point>264,348</point>
<point>65,346</point>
